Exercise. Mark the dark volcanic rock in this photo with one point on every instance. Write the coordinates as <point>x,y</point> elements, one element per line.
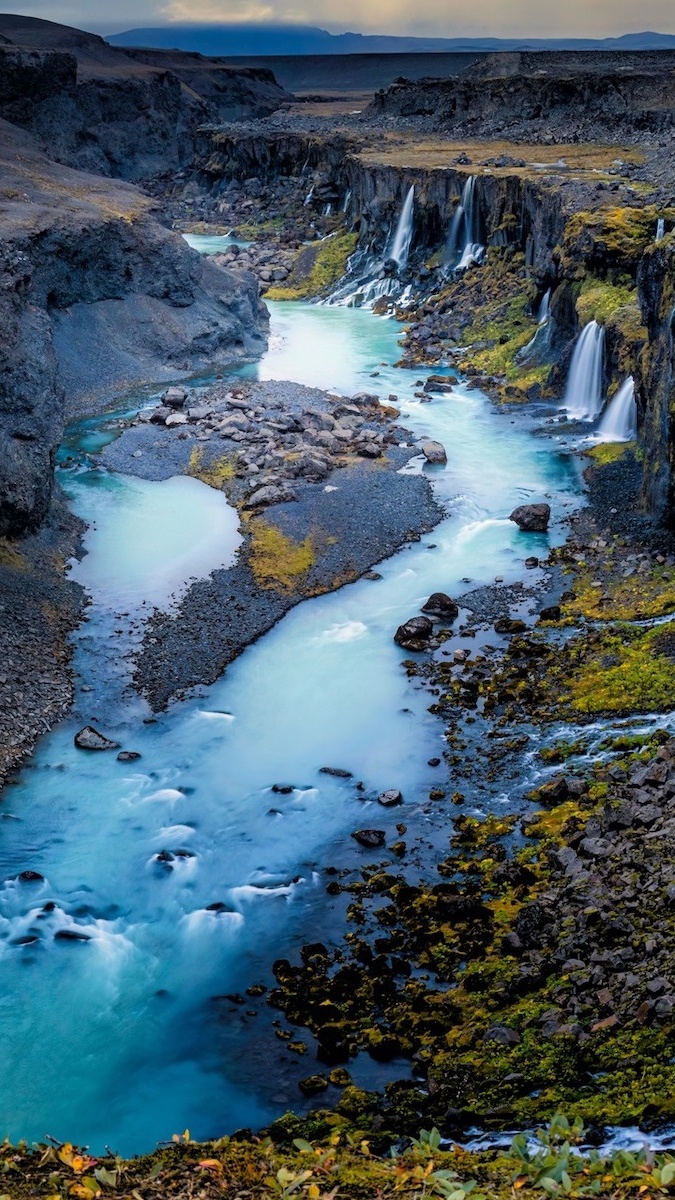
<point>90,739</point>
<point>414,634</point>
<point>440,605</point>
<point>532,518</point>
<point>370,838</point>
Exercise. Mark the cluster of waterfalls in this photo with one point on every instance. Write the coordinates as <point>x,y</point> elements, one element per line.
<point>584,396</point>
<point>372,277</point>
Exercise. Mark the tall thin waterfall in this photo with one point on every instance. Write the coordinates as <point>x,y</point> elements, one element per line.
<point>583,397</point>
<point>348,196</point>
<point>660,229</point>
<point>619,424</point>
<point>400,245</point>
<point>540,343</point>
<point>544,308</point>
<point>463,247</point>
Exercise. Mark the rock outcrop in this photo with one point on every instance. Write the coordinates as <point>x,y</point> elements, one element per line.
<point>569,96</point>
<point>129,114</point>
<point>96,296</point>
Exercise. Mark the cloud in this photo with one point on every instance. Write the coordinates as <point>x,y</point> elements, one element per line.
<point>444,18</point>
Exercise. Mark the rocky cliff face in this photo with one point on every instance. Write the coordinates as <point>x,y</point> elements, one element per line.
<point>96,296</point>
<point>128,115</point>
<point>657,299</point>
<point>544,97</point>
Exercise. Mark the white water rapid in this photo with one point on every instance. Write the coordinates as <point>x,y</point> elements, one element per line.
<point>127,1038</point>
<point>583,396</point>
<point>619,422</point>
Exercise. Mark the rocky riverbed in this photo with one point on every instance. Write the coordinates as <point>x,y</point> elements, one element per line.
<point>317,480</point>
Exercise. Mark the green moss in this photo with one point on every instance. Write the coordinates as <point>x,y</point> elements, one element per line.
<point>629,671</point>
<point>216,473</point>
<point>277,561</point>
<point>609,452</point>
<point>599,299</point>
<point>317,269</point>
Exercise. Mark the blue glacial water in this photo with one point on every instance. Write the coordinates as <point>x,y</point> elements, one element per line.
<point>113,1040</point>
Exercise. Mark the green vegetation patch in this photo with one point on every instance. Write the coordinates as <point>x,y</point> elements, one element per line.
<point>599,299</point>
<point>217,473</point>
<point>317,269</point>
<point>277,561</point>
<point>627,671</point>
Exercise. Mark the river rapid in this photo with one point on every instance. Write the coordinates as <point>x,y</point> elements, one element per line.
<point>118,1039</point>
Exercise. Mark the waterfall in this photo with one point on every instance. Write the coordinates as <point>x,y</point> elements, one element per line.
<point>619,424</point>
<point>544,308</point>
<point>583,396</point>
<point>660,229</point>
<point>400,246</point>
<point>540,343</point>
<point>463,247</point>
<point>328,210</point>
<point>348,196</point>
<point>309,197</point>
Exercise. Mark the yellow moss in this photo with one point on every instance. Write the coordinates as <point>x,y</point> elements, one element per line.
<point>628,673</point>
<point>609,452</point>
<point>216,474</point>
<point>598,299</point>
<point>317,269</point>
<point>10,557</point>
<point>277,561</point>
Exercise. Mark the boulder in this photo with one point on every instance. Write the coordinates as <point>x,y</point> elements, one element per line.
<point>390,798</point>
<point>532,518</point>
<point>370,838</point>
<point>174,397</point>
<point>552,613</point>
<point>338,772</point>
<point>440,383</point>
<point>265,496</point>
<point>434,452</point>
<point>128,756</point>
<point>90,739</point>
<point>176,419</point>
<point>159,415</point>
<point>441,605</point>
<point>509,625</point>
<point>414,634</point>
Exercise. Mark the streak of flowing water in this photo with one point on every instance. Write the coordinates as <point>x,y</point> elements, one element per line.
<point>463,246</point>
<point>660,229</point>
<point>619,422</point>
<point>583,396</point>
<point>119,1039</point>
<point>544,308</point>
<point>400,245</point>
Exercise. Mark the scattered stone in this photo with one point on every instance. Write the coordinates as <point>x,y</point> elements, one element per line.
<point>434,452</point>
<point>128,756</point>
<point>174,397</point>
<point>552,613</point>
<point>532,518</point>
<point>509,625</point>
<point>414,634</point>
<point>390,798</point>
<point>441,605</point>
<point>338,772</point>
<point>90,739</point>
<point>370,838</point>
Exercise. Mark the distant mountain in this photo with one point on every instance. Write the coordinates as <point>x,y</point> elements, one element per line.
<point>263,40</point>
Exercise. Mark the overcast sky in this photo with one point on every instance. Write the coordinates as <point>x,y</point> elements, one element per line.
<point>445,18</point>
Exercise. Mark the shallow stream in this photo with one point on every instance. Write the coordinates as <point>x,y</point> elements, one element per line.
<point>116,1040</point>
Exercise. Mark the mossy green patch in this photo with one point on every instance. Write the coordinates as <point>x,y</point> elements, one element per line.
<point>277,561</point>
<point>217,473</point>
<point>609,452</point>
<point>628,671</point>
<point>599,299</point>
<point>317,269</point>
